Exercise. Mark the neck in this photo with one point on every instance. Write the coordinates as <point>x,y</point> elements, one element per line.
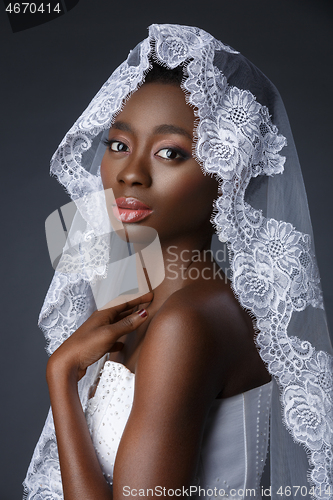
<point>178,257</point>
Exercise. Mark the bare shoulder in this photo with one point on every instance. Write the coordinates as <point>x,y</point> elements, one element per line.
<point>202,329</point>
<point>195,335</point>
<point>206,313</point>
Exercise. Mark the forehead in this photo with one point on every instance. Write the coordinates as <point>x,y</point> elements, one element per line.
<point>156,104</point>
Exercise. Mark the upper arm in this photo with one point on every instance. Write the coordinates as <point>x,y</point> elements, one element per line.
<point>177,377</point>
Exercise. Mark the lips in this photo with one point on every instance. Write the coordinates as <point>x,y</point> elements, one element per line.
<point>130,210</point>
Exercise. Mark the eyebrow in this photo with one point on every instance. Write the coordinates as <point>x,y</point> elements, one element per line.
<point>160,129</point>
<point>122,126</point>
<point>172,129</point>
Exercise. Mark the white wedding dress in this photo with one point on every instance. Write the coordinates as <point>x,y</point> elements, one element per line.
<point>234,443</point>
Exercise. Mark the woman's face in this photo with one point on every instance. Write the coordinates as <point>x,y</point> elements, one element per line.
<point>149,165</point>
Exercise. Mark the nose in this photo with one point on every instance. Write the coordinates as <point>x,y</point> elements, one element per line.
<point>136,171</point>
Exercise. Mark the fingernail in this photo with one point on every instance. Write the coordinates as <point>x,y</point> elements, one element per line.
<point>142,313</point>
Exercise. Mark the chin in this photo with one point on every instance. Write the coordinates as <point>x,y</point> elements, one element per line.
<point>137,233</point>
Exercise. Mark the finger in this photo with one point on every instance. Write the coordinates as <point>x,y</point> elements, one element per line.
<point>113,311</point>
<point>127,324</point>
<point>124,314</point>
<point>118,316</point>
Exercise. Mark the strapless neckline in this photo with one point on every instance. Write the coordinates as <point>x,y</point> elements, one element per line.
<point>235,435</point>
<point>130,373</point>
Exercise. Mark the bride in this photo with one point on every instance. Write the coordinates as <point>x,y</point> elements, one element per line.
<point>175,385</point>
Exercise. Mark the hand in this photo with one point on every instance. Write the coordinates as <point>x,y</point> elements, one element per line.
<point>95,337</point>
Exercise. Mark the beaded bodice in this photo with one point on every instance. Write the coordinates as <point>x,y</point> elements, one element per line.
<point>235,437</point>
<point>107,412</point>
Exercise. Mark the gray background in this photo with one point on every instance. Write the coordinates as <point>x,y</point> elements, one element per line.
<point>49,74</point>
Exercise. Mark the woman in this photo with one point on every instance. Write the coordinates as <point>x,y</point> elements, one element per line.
<point>199,381</point>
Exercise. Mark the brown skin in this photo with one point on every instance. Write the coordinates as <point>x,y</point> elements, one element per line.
<point>197,342</point>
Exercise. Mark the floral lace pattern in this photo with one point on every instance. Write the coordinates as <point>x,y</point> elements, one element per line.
<point>66,306</point>
<point>46,483</point>
<point>274,271</point>
<point>64,303</point>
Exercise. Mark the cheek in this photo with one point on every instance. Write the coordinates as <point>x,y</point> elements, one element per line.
<point>105,173</point>
<point>192,194</point>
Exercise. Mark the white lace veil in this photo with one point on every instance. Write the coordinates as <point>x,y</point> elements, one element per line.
<point>262,215</point>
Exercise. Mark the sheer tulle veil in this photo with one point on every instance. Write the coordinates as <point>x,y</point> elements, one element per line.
<point>243,138</point>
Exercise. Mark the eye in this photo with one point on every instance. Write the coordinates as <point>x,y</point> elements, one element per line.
<point>171,154</point>
<point>117,146</point>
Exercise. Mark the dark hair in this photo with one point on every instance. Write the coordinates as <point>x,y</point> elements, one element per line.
<point>161,74</point>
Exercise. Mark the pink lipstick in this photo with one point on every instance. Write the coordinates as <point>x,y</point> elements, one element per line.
<point>130,210</point>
